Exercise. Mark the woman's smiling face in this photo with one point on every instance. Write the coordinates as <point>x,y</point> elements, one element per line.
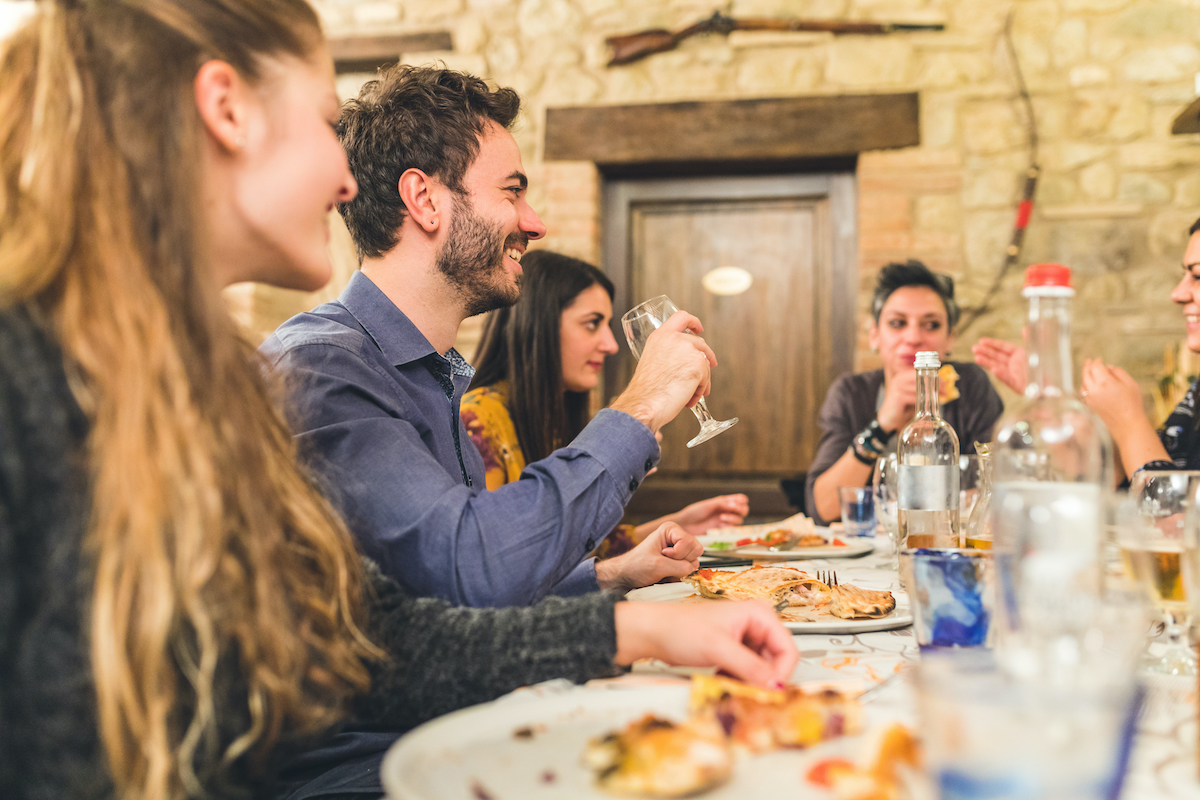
<point>913,319</point>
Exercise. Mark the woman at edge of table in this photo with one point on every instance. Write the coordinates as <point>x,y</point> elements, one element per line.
<point>180,607</point>
<point>1115,396</point>
<point>913,309</point>
<point>536,364</point>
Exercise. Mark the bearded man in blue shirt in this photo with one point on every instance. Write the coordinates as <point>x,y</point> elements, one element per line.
<point>440,223</point>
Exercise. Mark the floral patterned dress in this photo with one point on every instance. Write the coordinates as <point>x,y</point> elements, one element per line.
<point>484,412</point>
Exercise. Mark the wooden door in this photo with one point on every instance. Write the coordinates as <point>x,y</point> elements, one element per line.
<point>781,342</point>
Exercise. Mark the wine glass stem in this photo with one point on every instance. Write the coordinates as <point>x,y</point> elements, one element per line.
<point>702,415</point>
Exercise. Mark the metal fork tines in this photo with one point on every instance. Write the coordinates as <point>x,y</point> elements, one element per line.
<point>827,577</point>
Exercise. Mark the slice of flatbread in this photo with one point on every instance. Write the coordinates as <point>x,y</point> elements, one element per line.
<point>773,584</point>
<point>654,757</point>
<point>851,602</point>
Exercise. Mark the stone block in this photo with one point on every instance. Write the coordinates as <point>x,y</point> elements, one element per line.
<point>1090,113</point>
<point>1094,5</point>
<point>991,188</point>
<point>777,71</point>
<point>941,213</point>
<point>939,119</point>
<point>1098,181</point>
<point>1160,64</point>
<point>1156,155</point>
<point>1138,187</point>
<point>1055,188</point>
<point>1107,49</point>
<point>549,21</point>
<point>869,62</point>
<point>368,15</point>
<point>1168,232</point>
<point>986,234</point>
<point>1070,43</point>
<point>1187,190</point>
<point>1066,156</point>
<point>949,69</point>
<point>1155,19</point>
<point>1130,120</point>
<point>991,127</point>
<point>1089,75</point>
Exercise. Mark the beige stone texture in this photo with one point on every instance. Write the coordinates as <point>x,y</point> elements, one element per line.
<point>1115,198</point>
<point>1098,181</point>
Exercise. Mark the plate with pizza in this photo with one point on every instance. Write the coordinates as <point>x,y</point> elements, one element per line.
<point>791,539</point>
<point>713,737</point>
<point>856,604</point>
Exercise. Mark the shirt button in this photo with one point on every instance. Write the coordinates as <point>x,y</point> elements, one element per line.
<point>589,545</point>
<point>649,465</point>
<point>633,485</point>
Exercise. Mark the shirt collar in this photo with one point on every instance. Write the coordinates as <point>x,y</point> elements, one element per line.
<point>394,333</point>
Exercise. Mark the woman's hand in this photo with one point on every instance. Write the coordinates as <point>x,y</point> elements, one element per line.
<point>746,640</point>
<point>668,552</point>
<point>715,512</point>
<point>900,401</point>
<point>1113,394</point>
<point>1005,360</point>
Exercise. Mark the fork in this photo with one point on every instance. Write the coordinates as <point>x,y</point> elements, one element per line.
<point>827,577</point>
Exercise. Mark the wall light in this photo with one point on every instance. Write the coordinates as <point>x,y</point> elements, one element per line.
<point>727,281</point>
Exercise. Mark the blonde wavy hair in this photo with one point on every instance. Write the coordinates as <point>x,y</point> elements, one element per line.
<point>214,556</point>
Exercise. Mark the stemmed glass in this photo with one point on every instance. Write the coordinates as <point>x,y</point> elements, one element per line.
<point>887,502</point>
<point>1156,550</point>
<point>641,321</point>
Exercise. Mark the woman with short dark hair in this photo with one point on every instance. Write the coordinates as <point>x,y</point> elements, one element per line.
<point>913,309</point>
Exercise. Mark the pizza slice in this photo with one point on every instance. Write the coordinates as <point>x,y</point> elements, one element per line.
<point>762,720</point>
<point>654,757</point>
<point>852,602</point>
<point>776,585</point>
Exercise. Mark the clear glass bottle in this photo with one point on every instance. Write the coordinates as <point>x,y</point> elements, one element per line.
<point>927,452</point>
<point>977,531</point>
<point>1051,476</point>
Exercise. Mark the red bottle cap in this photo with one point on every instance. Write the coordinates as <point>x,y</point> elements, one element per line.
<point>1048,279</point>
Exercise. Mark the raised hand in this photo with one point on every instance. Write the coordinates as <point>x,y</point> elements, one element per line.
<point>900,401</point>
<point>668,552</point>
<point>745,640</point>
<point>672,373</point>
<point>715,512</point>
<point>1005,360</point>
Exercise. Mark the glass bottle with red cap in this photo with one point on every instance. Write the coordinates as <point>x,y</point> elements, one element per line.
<point>1052,467</point>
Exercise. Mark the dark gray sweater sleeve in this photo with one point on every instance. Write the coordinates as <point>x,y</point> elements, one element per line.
<point>445,657</point>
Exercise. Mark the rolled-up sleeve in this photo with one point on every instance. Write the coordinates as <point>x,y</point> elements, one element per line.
<point>436,536</point>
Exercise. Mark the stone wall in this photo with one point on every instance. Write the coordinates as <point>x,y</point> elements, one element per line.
<point>1117,194</point>
<point>1107,77</point>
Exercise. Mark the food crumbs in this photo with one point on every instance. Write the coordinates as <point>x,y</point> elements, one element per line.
<point>480,792</point>
<point>549,777</point>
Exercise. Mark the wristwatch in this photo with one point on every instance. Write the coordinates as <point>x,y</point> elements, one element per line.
<point>870,443</point>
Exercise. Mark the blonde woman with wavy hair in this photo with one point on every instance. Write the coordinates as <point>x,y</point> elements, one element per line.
<point>180,610</point>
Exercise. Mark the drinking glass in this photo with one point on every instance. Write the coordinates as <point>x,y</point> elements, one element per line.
<point>968,487</point>
<point>858,510</point>
<point>1151,535</point>
<point>641,321</point>
<point>887,503</point>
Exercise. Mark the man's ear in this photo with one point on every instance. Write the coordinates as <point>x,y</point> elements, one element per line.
<point>421,197</point>
<point>221,99</point>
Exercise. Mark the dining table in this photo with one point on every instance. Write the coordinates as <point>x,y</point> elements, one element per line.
<point>883,664</point>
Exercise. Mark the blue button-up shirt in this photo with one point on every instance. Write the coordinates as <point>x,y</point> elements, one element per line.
<point>376,410</point>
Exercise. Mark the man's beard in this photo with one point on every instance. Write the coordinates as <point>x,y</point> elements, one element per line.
<point>472,259</point>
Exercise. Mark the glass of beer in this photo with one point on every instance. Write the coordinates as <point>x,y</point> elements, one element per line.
<point>1157,554</point>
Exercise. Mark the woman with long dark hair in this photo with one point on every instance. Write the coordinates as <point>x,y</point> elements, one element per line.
<point>180,609</point>
<point>536,365</point>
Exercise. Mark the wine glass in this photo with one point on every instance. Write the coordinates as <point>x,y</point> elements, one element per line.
<point>887,502</point>
<point>641,321</point>
<point>1154,546</point>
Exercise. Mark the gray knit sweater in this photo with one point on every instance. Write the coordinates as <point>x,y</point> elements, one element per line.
<point>442,658</point>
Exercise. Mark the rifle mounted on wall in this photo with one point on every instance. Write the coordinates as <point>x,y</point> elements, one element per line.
<point>635,46</point>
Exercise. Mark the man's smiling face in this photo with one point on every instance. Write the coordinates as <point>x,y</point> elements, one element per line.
<point>490,226</point>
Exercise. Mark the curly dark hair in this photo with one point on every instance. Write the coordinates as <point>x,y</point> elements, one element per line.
<point>426,118</point>
<point>914,273</point>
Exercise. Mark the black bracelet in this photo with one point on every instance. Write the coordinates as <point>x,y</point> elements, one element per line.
<point>862,458</point>
<point>873,439</point>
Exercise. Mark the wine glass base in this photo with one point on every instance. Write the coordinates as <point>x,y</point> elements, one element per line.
<point>711,430</point>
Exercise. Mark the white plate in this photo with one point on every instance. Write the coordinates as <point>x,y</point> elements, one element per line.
<point>473,754</point>
<point>899,618</point>
<point>854,547</point>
